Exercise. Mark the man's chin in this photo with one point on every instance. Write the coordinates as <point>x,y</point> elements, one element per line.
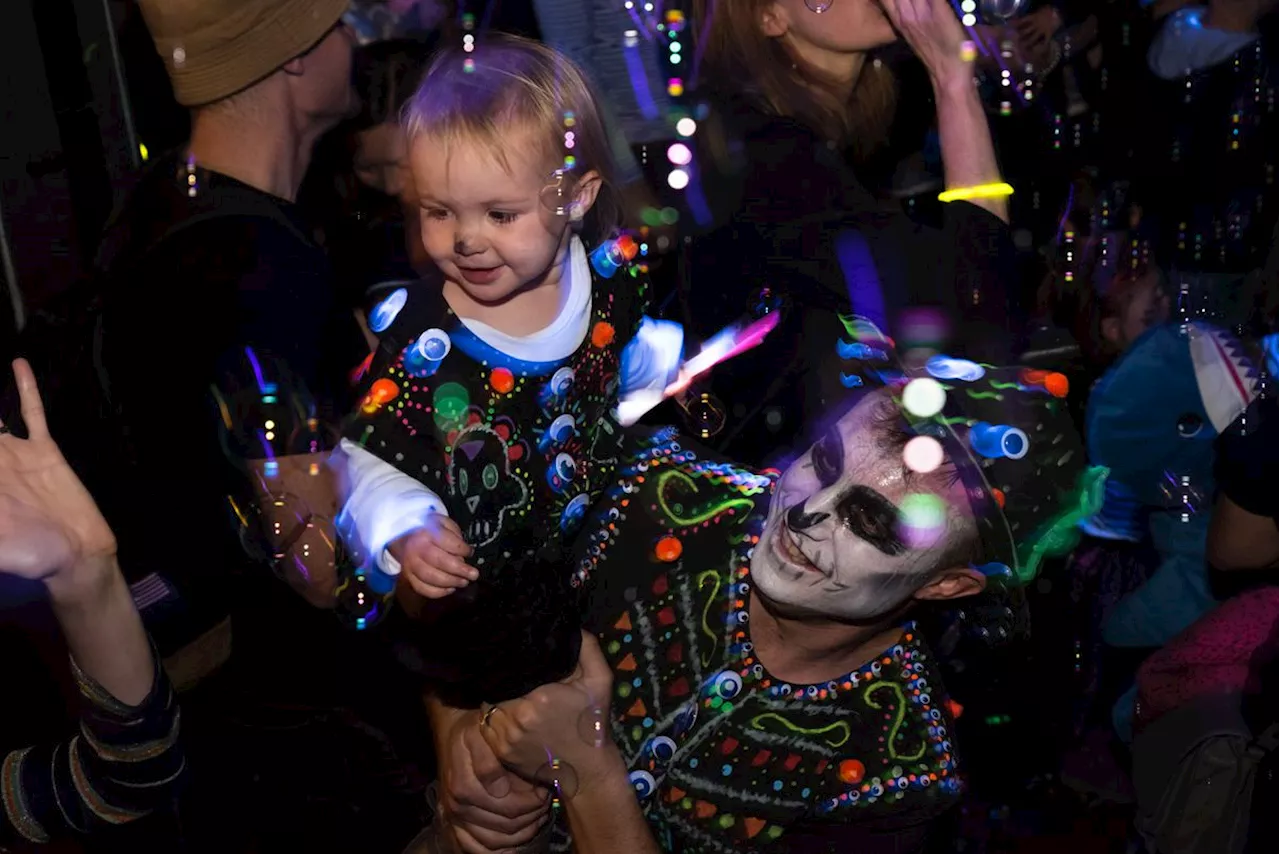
<point>780,595</point>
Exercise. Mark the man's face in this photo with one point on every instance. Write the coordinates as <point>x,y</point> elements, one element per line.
<point>852,533</point>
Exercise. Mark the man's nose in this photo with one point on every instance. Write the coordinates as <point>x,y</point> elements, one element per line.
<point>798,520</point>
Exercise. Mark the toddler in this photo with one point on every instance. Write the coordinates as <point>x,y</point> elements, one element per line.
<point>488,426</point>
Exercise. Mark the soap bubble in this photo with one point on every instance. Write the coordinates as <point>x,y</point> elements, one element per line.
<point>705,414</point>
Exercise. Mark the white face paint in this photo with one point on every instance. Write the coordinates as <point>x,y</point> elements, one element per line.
<point>852,533</point>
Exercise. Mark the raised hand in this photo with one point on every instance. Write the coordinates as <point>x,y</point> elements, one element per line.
<point>49,524</point>
<point>932,30</point>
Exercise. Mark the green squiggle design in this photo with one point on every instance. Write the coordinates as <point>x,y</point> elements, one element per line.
<point>899,714</point>
<point>709,575</point>
<point>985,395</point>
<point>697,518</point>
<point>839,726</point>
<point>995,384</point>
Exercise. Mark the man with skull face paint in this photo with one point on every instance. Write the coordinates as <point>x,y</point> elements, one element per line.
<point>770,691</point>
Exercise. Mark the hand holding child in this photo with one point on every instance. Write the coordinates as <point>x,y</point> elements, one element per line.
<point>432,558</point>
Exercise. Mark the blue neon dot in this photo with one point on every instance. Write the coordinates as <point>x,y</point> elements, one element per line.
<point>726,769</point>
<point>777,785</point>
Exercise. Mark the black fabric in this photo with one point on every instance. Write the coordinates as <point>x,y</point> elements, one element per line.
<point>788,214</point>
<point>1027,504</point>
<point>1247,466</point>
<point>179,318</point>
<point>179,313</point>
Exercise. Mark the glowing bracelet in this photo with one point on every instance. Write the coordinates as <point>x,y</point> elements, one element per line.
<point>980,191</point>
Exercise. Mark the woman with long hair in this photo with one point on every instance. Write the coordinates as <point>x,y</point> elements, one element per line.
<point>800,98</point>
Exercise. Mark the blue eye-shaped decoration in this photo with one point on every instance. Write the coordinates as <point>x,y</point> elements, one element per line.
<point>643,783</point>
<point>1190,425</point>
<point>727,685</point>
<point>994,569</point>
<point>557,433</point>
<point>384,313</point>
<point>424,357</point>
<point>561,429</point>
<point>994,441</point>
<point>573,514</point>
<point>561,471</point>
<point>685,720</point>
<point>565,466</point>
<point>877,790</point>
<point>662,748</point>
<point>947,368</point>
<point>850,380</point>
<point>561,382</point>
<point>851,350</point>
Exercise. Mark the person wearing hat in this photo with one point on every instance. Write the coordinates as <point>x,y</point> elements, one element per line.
<point>225,352</point>
<point>755,680</point>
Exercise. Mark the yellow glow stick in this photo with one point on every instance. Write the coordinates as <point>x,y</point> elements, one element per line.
<point>979,191</point>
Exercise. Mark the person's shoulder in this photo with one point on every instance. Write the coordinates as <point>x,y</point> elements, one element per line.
<point>674,506</point>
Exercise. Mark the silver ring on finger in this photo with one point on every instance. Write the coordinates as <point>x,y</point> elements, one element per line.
<point>488,713</point>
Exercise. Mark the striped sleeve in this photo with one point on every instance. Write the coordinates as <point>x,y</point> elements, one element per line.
<point>125,762</point>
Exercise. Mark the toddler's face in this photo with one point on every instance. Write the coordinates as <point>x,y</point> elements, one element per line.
<point>486,224</point>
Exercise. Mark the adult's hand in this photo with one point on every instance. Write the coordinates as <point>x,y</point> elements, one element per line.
<point>934,34</point>
<point>561,721</point>
<point>50,527</point>
<point>1035,29</point>
<point>484,806</point>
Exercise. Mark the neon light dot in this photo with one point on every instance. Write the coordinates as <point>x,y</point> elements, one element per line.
<point>924,397</point>
<point>679,154</point>
<point>923,454</point>
<point>678,179</point>
<point>686,126</point>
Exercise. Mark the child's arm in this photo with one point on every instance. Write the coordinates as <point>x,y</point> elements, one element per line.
<point>650,363</point>
<point>385,510</point>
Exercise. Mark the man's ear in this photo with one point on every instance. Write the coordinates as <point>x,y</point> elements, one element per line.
<point>954,583</point>
<point>773,21</point>
<point>294,67</point>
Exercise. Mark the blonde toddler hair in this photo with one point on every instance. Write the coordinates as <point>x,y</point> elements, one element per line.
<point>505,84</point>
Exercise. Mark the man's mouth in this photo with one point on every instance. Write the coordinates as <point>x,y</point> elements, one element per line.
<point>785,546</point>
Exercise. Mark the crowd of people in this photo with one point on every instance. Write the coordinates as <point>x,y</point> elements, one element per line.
<point>658,427</point>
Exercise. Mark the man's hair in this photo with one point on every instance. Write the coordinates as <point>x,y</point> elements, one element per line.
<point>505,83</point>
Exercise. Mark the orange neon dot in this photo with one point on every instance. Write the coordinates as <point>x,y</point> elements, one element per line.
<point>852,771</point>
<point>501,380</point>
<point>668,549</point>
<point>1056,384</point>
<point>383,390</point>
<point>380,392</point>
<point>602,335</point>
<point>998,495</point>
